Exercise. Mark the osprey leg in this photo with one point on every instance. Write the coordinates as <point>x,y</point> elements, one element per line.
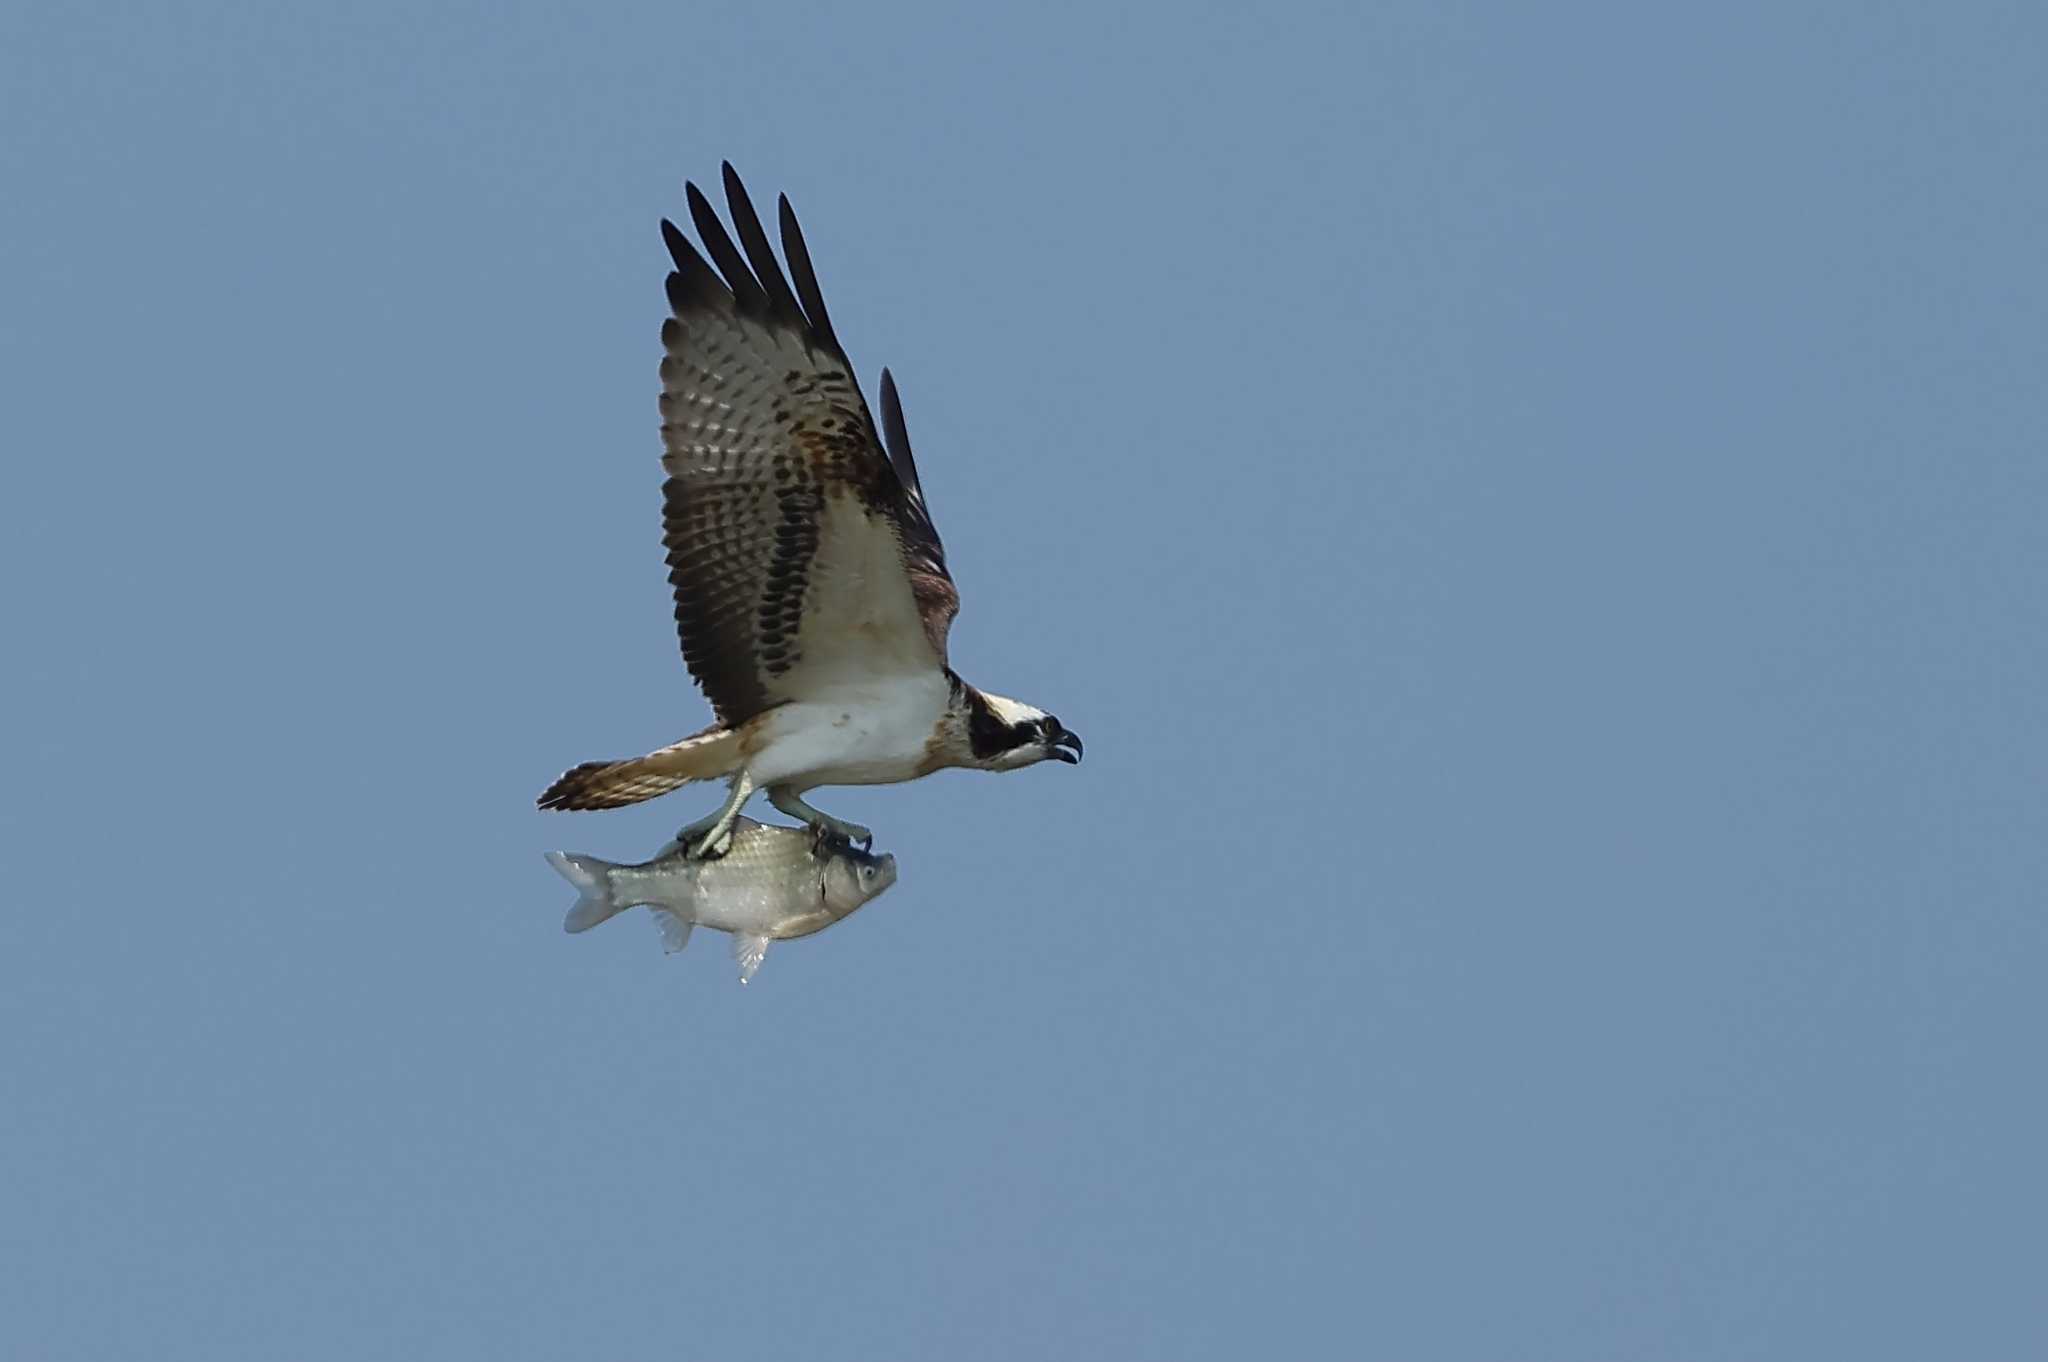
<point>704,834</point>
<point>792,804</point>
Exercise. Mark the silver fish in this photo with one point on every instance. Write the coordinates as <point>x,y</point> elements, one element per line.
<point>772,883</point>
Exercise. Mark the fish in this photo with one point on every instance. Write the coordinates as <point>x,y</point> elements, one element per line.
<point>770,884</point>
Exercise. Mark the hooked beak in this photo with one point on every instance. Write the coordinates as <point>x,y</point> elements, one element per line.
<point>1058,747</point>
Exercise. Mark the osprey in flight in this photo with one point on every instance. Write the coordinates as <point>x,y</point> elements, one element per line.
<point>811,588</point>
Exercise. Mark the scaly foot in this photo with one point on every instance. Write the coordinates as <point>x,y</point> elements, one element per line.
<point>823,823</point>
<point>709,838</point>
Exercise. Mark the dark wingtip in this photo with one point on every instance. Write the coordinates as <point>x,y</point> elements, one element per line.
<point>695,198</point>
<point>804,274</point>
<point>896,436</point>
<point>760,256</point>
<point>673,238</point>
<point>739,277</point>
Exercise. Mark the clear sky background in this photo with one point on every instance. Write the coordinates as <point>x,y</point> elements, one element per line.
<point>1537,511</point>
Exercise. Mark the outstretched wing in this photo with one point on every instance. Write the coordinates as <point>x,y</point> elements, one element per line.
<point>802,554</point>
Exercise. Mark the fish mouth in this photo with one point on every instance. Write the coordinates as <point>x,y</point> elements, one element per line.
<point>886,874</point>
<point>1065,746</point>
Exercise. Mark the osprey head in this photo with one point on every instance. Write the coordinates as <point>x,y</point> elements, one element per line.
<point>1005,734</point>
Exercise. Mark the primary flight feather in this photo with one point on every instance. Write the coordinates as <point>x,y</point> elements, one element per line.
<point>812,596</point>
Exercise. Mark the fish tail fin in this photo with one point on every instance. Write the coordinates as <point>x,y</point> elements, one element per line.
<point>592,877</point>
<point>612,784</point>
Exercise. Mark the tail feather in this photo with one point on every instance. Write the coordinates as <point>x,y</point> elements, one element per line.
<point>613,784</point>
<point>593,880</point>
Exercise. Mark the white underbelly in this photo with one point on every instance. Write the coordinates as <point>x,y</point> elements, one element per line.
<point>872,736</point>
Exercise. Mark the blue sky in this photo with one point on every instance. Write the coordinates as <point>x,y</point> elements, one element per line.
<point>1536,511</point>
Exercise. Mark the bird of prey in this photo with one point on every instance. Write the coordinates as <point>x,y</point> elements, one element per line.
<point>811,589</point>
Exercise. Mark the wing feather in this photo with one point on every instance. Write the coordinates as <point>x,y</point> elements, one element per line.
<point>806,278</point>
<point>748,294</point>
<point>800,550</point>
<point>759,252</point>
<point>937,599</point>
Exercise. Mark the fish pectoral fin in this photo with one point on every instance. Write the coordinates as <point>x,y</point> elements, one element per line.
<point>747,953</point>
<point>674,928</point>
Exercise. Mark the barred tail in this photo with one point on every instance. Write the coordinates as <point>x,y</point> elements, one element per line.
<point>613,784</point>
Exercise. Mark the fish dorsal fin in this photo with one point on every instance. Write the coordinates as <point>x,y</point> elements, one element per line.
<point>675,930</point>
<point>747,953</point>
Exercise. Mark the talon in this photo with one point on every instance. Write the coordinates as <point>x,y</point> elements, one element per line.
<point>849,833</point>
<point>823,823</point>
<point>701,839</point>
<point>695,839</point>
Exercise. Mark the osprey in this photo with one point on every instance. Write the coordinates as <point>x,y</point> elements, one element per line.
<point>811,589</point>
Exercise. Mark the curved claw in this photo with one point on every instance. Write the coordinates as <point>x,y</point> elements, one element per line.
<point>706,839</point>
<point>853,834</point>
<point>827,833</point>
<point>823,824</point>
<point>699,841</point>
